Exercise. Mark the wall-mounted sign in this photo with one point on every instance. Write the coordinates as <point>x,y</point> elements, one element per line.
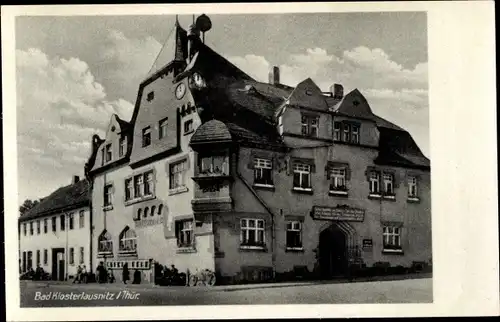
<point>367,243</point>
<point>149,222</point>
<point>339,213</point>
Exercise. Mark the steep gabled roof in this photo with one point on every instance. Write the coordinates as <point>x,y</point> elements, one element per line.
<point>63,199</point>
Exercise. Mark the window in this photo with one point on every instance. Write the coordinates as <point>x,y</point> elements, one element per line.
<point>336,131</point>
<point>139,213</point>
<point>122,147</point>
<point>252,232</point>
<point>392,238</point>
<point>146,212</point>
<point>82,255</point>
<point>310,125</point>
<point>347,132</point>
<point>45,225</point>
<point>71,256</point>
<point>160,208</point>
<point>178,174</point>
<point>108,153</point>
<point>54,224</point>
<point>25,229</point>
<point>108,195</point>
<point>355,134</point>
<point>184,233</point>
<point>38,227</point>
<point>302,176</point>
<point>188,126</point>
<point>45,256</point>
<point>146,136</point>
<point>63,222</point>
<point>37,257</point>
<point>263,172</point>
<point>128,240</point>
<point>138,183</point>
<point>82,218</point>
<point>148,187</point>
<point>31,228</point>
<point>388,184</point>
<point>338,179</point>
<point>216,164</point>
<point>105,244</point>
<point>129,189</point>
<point>162,126</point>
<point>294,235</point>
<point>412,187</point>
<point>71,221</point>
<point>151,96</point>
<point>153,209</point>
<point>374,182</point>
<point>30,259</point>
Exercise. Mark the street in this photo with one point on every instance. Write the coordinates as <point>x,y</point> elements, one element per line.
<point>39,294</point>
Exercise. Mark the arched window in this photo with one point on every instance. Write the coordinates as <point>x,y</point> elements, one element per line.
<point>146,212</point>
<point>153,209</point>
<point>139,213</point>
<point>128,240</point>
<point>160,208</point>
<point>105,244</point>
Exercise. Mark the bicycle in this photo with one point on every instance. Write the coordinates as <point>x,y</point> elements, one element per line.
<point>204,277</point>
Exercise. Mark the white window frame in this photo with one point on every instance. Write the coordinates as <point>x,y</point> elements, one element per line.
<point>337,132</point>
<point>122,146</point>
<point>45,225</point>
<point>260,166</point>
<point>149,183</point>
<point>38,227</point>
<point>177,174</point>
<point>412,187</point>
<point>139,186</point>
<point>129,189</point>
<point>108,195</point>
<point>355,134</point>
<point>245,233</point>
<point>302,169</point>
<point>338,180</point>
<point>294,226</point>
<point>162,128</point>
<point>392,238</point>
<point>388,180</point>
<point>109,152</point>
<point>308,123</point>
<point>105,243</point>
<point>81,219</point>
<point>211,170</point>
<point>71,221</point>
<point>374,179</point>
<point>304,120</point>
<point>128,241</point>
<point>146,133</point>
<point>186,226</point>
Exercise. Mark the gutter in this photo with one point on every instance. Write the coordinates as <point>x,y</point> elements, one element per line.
<point>273,233</point>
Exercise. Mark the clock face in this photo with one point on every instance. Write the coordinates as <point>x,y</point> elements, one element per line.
<point>180,90</point>
<point>198,80</point>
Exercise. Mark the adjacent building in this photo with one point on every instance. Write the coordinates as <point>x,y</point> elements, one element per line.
<point>253,180</point>
<point>55,234</point>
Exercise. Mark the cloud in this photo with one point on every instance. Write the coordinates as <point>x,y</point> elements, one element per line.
<point>394,92</point>
<point>59,107</point>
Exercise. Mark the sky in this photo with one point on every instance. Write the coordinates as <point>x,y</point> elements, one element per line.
<point>73,73</point>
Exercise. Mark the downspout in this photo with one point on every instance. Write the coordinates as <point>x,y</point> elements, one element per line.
<point>91,224</point>
<point>263,203</point>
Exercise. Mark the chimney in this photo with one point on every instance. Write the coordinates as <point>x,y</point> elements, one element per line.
<point>274,75</point>
<point>337,91</point>
<point>76,179</point>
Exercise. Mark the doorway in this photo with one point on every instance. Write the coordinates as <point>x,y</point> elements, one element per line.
<point>332,252</point>
<point>58,264</point>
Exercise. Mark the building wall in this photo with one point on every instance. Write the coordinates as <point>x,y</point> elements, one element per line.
<point>74,238</point>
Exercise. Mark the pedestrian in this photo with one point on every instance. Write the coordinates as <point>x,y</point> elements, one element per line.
<point>101,273</point>
<point>84,275</point>
<point>78,275</point>
<point>125,273</point>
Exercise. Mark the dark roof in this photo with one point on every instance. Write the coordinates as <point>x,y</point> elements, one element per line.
<point>398,146</point>
<point>63,199</point>
<point>213,130</point>
<point>124,125</point>
<point>246,135</point>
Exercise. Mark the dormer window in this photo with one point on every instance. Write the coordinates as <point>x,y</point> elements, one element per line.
<point>310,125</point>
<point>146,136</point>
<point>108,154</point>
<point>346,132</point>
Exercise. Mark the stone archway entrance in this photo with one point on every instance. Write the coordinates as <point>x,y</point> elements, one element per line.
<point>333,257</point>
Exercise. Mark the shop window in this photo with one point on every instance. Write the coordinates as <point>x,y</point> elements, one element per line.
<point>294,235</point>
<point>412,187</point>
<point>309,124</point>
<point>184,233</point>
<point>252,233</point>
<point>214,165</point>
<point>392,238</point>
<point>178,174</point>
<point>263,172</point>
<point>302,176</point>
<point>338,180</point>
<point>374,183</point>
<point>105,243</point>
<point>128,241</point>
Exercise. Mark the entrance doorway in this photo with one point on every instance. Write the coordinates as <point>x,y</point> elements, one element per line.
<point>332,252</point>
<point>58,264</point>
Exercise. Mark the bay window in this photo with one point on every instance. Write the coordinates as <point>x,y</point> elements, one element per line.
<point>214,165</point>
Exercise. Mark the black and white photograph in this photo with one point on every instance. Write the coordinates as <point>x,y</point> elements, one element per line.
<point>203,158</point>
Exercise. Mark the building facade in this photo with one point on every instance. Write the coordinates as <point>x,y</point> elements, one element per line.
<point>254,180</point>
<point>55,234</point>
